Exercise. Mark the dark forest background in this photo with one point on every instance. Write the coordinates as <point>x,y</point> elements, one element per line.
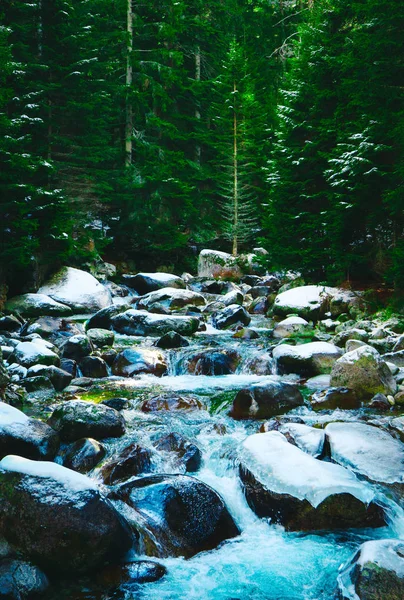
<point>128,132</point>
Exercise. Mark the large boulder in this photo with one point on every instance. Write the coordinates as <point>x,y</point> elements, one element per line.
<point>376,572</point>
<point>364,371</point>
<point>184,514</point>
<point>36,305</point>
<point>133,361</point>
<point>265,400</point>
<point>229,316</point>
<point>308,439</point>
<point>300,492</point>
<point>58,518</point>
<point>314,358</point>
<point>307,301</point>
<point>32,353</point>
<point>20,580</point>
<point>77,419</point>
<point>78,289</point>
<point>144,283</point>
<point>141,322</point>
<point>171,298</point>
<point>219,265</point>
<point>25,436</point>
<point>367,450</point>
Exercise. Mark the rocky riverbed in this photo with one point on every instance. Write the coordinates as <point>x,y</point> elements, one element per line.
<point>192,437</point>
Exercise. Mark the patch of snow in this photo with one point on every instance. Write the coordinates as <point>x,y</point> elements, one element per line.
<point>75,482</point>
<point>367,450</point>
<point>11,416</point>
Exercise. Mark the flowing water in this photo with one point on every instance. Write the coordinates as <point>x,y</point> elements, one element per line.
<point>264,561</point>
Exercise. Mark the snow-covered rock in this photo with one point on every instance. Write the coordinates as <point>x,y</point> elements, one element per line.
<point>314,358</point>
<point>144,283</point>
<point>364,371</point>
<point>368,451</point>
<point>77,419</point>
<point>231,315</point>
<point>141,322</point>
<point>78,289</point>
<point>33,353</point>
<point>25,436</point>
<point>290,326</point>
<point>300,492</point>
<point>36,305</point>
<point>58,518</point>
<point>171,298</point>
<point>375,572</point>
<point>307,301</point>
<point>308,439</point>
<point>219,265</point>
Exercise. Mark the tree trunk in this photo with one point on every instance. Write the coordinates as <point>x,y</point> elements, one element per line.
<point>235,175</point>
<point>197,112</point>
<point>129,80</point>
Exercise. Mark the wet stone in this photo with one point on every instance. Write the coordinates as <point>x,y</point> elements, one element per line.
<point>188,454</point>
<point>133,460</point>
<point>83,455</point>
<point>168,402</point>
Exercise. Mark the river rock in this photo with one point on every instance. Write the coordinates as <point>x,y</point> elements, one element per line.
<point>78,289</point>
<point>53,328</point>
<point>102,318</point>
<point>219,265</point>
<point>144,283</point>
<point>93,366</point>
<point>265,400</point>
<point>128,576</point>
<point>59,378</point>
<point>133,361</point>
<point>172,340</point>
<point>20,580</point>
<point>10,323</point>
<point>132,460</point>
<point>396,358</point>
<point>314,358</point>
<point>187,515</point>
<point>141,322</point>
<point>364,371</point>
<point>33,353</point>
<point>367,450</point>
<point>300,492</point>
<point>25,436</point>
<point>231,315</point>
<point>83,455</point>
<point>335,397</point>
<point>77,419</point>
<point>290,326</point>
<point>171,298</point>
<point>259,306</point>
<point>171,402</point>
<point>58,518</point>
<point>308,301</point>
<point>188,454</point>
<point>376,572</point>
<point>101,337</point>
<point>36,305</point>
<point>211,362</point>
<point>77,347</point>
